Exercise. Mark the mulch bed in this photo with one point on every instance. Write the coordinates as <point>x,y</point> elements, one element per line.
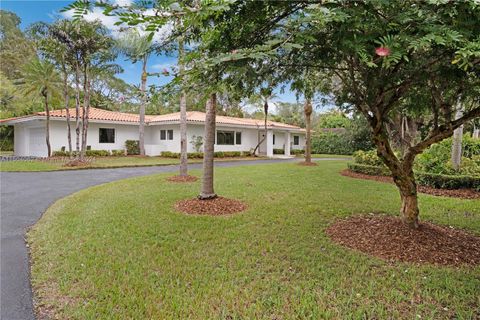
<point>77,163</point>
<point>182,179</point>
<point>306,164</point>
<point>214,207</point>
<point>391,239</point>
<point>457,193</point>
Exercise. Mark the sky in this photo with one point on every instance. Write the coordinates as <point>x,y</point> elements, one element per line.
<point>47,11</point>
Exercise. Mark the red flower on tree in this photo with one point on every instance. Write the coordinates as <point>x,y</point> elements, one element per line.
<point>382,51</point>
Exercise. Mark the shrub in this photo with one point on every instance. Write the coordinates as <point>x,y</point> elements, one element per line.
<point>195,155</point>
<point>369,169</point>
<point>132,146</point>
<point>61,153</point>
<point>278,151</point>
<point>331,143</point>
<point>297,151</point>
<point>118,153</point>
<point>168,154</point>
<point>97,153</point>
<point>440,181</point>
<point>219,154</point>
<point>367,157</point>
<point>443,181</point>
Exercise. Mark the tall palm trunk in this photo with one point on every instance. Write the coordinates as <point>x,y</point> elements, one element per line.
<point>47,124</point>
<point>77,109</point>
<point>308,123</point>
<point>183,118</point>
<point>265,118</point>
<point>143,89</point>
<point>86,110</point>
<point>67,110</point>
<point>207,191</point>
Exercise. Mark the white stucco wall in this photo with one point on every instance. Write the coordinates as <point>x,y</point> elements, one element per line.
<point>29,137</point>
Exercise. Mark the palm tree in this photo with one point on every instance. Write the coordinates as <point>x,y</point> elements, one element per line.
<point>41,78</point>
<point>207,191</point>
<point>264,96</point>
<point>138,48</point>
<point>183,116</point>
<point>308,124</point>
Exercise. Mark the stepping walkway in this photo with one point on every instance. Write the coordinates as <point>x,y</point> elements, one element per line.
<point>25,196</point>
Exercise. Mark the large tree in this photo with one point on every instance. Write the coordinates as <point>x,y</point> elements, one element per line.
<point>378,54</point>
<point>40,78</point>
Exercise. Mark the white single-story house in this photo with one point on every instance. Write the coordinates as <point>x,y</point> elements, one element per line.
<point>108,130</point>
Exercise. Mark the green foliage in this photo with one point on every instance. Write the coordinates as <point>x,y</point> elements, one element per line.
<point>333,119</point>
<point>436,159</point>
<point>443,181</point>
<point>199,155</point>
<point>132,147</point>
<point>98,153</point>
<point>331,143</point>
<point>367,158</point>
<point>118,153</point>
<point>197,143</point>
<point>371,170</point>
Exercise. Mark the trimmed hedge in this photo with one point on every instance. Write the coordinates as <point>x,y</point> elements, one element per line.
<point>368,169</point>
<point>439,181</point>
<point>91,153</point>
<point>199,155</point>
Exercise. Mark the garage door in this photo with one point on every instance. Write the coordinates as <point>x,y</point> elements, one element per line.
<point>37,144</point>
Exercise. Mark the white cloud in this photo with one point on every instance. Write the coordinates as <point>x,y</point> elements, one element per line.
<point>123,3</point>
<point>161,66</point>
<point>109,22</point>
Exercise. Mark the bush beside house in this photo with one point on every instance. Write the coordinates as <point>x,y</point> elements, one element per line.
<point>433,167</point>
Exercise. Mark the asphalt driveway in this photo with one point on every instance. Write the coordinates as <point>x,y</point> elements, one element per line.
<point>25,196</point>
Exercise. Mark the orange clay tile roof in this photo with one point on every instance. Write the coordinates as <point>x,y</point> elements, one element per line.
<point>192,116</point>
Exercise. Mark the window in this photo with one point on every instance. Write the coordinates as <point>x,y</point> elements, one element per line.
<point>106,135</point>
<point>238,138</point>
<point>273,139</point>
<point>225,137</point>
<point>296,140</point>
<point>166,134</point>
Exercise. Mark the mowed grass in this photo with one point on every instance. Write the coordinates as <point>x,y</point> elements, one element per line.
<point>117,162</point>
<point>99,162</point>
<point>120,251</point>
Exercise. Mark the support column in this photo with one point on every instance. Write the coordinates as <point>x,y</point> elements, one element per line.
<point>270,143</point>
<point>287,143</point>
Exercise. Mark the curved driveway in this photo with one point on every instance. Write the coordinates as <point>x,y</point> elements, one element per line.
<point>25,196</point>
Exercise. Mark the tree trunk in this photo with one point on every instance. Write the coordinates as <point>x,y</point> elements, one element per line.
<point>86,111</point>
<point>47,125</point>
<point>143,88</point>
<point>67,110</point>
<point>308,123</point>
<point>183,118</point>
<point>207,191</point>
<point>457,143</point>
<point>77,109</point>
<point>265,112</point>
<point>403,176</point>
<point>408,194</point>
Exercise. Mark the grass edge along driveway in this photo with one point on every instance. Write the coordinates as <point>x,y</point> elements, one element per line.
<point>120,250</point>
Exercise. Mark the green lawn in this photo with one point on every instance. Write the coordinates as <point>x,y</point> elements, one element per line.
<point>115,162</point>
<point>121,251</point>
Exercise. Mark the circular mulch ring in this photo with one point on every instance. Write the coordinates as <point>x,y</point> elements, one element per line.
<point>181,179</point>
<point>307,164</point>
<point>391,239</point>
<point>453,193</point>
<point>215,207</point>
